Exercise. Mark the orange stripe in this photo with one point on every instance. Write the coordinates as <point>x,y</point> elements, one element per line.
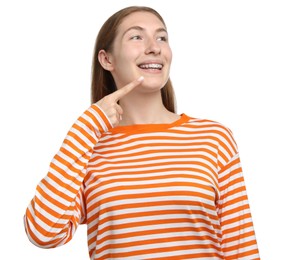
<point>163,250</point>
<point>199,151</point>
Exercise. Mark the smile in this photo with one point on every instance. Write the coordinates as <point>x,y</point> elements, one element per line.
<point>151,66</point>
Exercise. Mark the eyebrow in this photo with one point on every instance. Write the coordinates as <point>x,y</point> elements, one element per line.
<point>139,28</point>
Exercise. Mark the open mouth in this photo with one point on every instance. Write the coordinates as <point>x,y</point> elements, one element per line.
<point>151,66</point>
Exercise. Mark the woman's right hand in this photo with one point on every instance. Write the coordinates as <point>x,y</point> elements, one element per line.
<point>109,104</point>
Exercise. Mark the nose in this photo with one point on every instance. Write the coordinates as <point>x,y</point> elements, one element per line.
<point>152,47</point>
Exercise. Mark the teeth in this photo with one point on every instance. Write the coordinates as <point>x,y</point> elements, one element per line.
<point>151,66</point>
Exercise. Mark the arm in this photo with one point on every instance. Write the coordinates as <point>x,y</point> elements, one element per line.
<point>238,236</point>
<point>57,207</point>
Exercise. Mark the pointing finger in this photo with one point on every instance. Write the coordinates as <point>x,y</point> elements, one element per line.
<point>127,88</point>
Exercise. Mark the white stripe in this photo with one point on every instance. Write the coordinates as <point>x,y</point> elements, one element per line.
<point>238,223</point>
<point>151,190</point>
<point>152,160</point>
<point>53,195</point>
<point>51,205</point>
<point>69,172</point>
<point>82,136</point>
<point>236,214</point>
<point>98,117</point>
<point>236,205</point>
<point>167,168</point>
<point>170,179</point>
<point>137,177</point>
<point>159,246</point>
<point>244,249</point>
<point>58,187</point>
<point>148,209</point>
<point>160,236</point>
<point>75,143</point>
<point>240,241</point>
<point>237,233</point>
<point>48,229</point>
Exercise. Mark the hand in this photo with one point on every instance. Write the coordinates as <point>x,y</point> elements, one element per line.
<point>109,103</point>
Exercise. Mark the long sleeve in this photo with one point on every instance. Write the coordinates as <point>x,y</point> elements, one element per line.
<point>58,207</point>
<point>238,236</point>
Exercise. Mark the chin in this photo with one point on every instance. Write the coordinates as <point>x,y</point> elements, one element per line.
<point>153,81</point>
<point>150,88</point>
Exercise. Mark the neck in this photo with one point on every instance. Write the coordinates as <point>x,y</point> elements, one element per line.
<point>145,109</point>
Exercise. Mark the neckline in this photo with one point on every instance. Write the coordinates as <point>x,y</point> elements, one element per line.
<point>150,127</point>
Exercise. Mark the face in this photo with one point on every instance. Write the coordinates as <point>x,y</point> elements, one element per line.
<point>141,48</point>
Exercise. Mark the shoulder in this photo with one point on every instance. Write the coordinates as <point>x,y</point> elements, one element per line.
<point>203,123</point>
<point>211,128</point>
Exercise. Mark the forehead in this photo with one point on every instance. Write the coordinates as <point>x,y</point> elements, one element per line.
<point>143,19</point>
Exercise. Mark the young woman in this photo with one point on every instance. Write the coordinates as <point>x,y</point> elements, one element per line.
<point>149,183</point>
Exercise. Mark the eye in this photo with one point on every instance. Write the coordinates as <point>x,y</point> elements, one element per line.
<point>162,38</point>
<point>136,37</point>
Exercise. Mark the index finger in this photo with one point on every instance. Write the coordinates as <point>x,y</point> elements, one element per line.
<point>118,94</point>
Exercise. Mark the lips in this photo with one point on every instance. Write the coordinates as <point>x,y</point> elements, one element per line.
<point>155,66</point>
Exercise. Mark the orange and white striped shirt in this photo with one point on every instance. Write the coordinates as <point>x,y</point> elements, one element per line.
<point>157,191</point>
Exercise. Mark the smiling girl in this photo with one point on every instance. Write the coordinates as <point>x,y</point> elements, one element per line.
<point>148,182</point>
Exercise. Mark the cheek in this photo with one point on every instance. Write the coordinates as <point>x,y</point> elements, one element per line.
<point>124,57</point>
<point>168,54</point>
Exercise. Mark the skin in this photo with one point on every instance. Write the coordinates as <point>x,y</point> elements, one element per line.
<point>109,103</point>
<point>140,48</point>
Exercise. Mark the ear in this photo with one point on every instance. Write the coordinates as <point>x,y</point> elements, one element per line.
<point>105,61</point>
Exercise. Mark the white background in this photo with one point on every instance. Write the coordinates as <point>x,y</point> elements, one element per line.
<point>227,67</point>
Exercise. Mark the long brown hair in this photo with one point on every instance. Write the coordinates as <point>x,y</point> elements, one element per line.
<point>102,82</point>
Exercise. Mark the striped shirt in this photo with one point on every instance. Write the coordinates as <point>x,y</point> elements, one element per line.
<point>156,191</point>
